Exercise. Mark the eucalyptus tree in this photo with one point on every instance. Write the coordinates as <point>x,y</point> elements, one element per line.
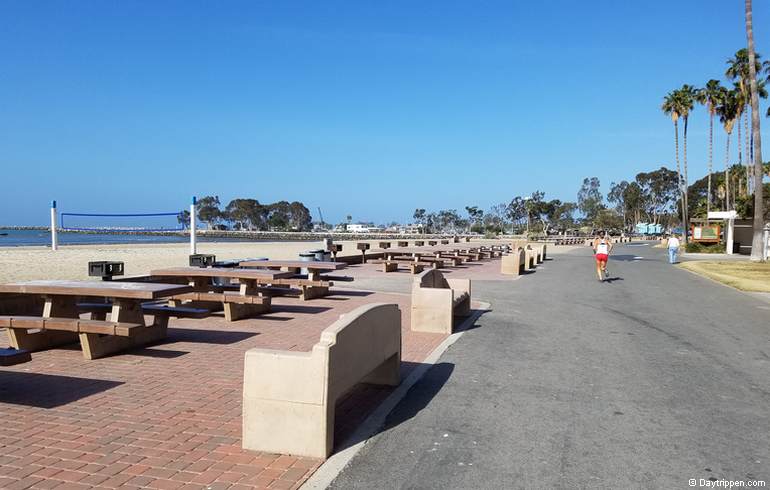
<point>757,245</point>
<point>710,96</point>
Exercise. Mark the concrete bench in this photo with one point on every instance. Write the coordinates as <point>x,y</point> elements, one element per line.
<point>437,300</point>
<point>539,249</point>
<point>289,397</point>
<point>514,262</point>
<point>530,261</point>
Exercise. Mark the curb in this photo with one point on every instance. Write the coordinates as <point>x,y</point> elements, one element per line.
<point>332,467</point>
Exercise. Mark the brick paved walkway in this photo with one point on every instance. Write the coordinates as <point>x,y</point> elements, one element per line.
<point>169,416</point>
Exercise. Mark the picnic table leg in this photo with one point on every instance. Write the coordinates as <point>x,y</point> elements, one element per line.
<point>124,311</point>
<point>55,306</point>
<point>236,311</point>
<point>199,285</point>
<point>312,292</point>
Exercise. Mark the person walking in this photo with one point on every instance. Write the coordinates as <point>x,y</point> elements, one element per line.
<point>602,248</point>
<point>673,249</point>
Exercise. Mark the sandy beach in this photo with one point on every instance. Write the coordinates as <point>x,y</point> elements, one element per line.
<point>71,262</point>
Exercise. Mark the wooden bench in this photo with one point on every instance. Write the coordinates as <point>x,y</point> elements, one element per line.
<point>11,356</point>
<point>23,330</point>
<point>99,311</point>
<point>455,261</point>
<point>392,265</point>
<point>437,300</point>
<point>289,397</point>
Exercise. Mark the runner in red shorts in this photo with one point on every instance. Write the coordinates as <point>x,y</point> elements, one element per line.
<point>602,248</point>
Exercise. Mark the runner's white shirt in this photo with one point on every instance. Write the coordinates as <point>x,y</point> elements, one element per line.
<point>603,248</point>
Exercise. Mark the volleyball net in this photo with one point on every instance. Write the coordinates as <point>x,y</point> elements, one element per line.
<point>139,222</point>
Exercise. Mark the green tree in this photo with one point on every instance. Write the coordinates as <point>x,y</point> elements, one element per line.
<point>208,210</point>
<point>183,218</point>
<point>246,214</point>
<point>589,198</point>
<point>299,217</point>
<point>475,215</point>
<point>419,216</point>
<point>659,193</point>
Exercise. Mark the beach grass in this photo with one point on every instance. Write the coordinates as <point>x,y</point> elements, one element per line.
<point>746,276</point>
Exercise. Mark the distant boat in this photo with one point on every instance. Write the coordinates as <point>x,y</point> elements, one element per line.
<point>3,234</point>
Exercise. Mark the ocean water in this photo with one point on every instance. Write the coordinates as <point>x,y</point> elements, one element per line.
<point>17,238</point>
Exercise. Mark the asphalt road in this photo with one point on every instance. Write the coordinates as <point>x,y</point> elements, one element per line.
<point>647,381</point>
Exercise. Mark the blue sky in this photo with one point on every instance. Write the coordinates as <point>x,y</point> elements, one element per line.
<point>363,108</point>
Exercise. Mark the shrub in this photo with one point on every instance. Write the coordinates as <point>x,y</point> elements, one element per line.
<point>705,248</point>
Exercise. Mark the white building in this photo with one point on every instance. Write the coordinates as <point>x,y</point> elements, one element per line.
<point>412,229</point>
<point>363,228</point>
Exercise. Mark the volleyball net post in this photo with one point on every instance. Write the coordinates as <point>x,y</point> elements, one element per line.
<point>54,238</point>
<point>193,244</point>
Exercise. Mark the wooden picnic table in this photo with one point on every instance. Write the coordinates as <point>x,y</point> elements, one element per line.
<point>315,286</point>
<point>126,324</point>
<point>249,300</point>
<point>314,268</point>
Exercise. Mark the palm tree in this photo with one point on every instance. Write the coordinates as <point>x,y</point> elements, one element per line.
<point>757,245</point>
<point>672,107</point>
<point>728,113</point>
<point>686,98</point>
<point>710,96</point>
<point>738,71</point>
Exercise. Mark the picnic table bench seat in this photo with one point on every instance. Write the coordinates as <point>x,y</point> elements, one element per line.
<point>392,265</point>
<point>100,310</point>
<point>76,325</point>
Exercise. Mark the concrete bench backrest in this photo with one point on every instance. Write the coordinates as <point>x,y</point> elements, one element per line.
<point>431,279</point>
<point>435,300</point>
<point>289,397</point>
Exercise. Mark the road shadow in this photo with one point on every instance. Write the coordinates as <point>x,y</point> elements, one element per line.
<point>610,280</point>
<point>626,258</point>
<point>420,394</point>
<point>48,390</point>
<point>364,399</point>
<point>471,322</point>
